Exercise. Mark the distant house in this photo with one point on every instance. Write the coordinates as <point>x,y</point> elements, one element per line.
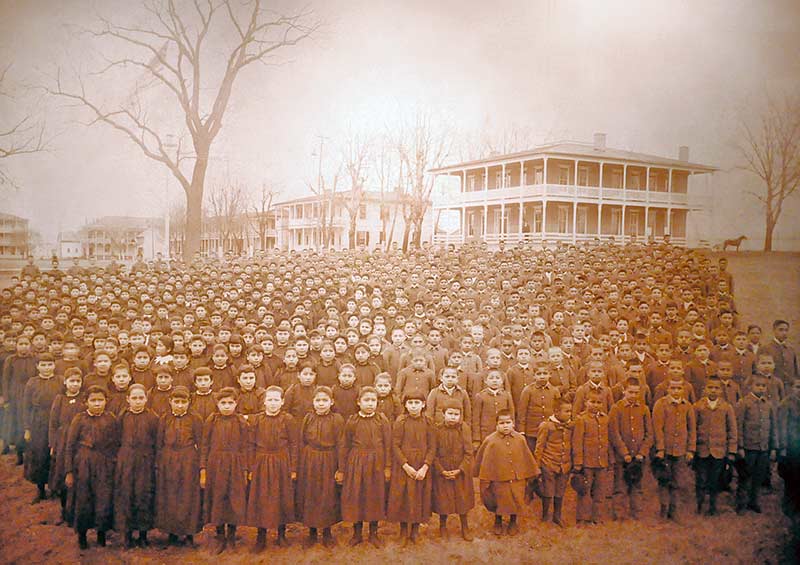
<point>69,245</point>
<point>302,223</point>
<point>573,192</point>
<point>123,238</point>
<point>14,236</point>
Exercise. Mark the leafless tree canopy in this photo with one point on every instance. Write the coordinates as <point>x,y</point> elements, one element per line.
<point>194,51</point>
<point>260,212</point>
<point>227,215</point>
<point>18,136</point>
<point>770,149</point>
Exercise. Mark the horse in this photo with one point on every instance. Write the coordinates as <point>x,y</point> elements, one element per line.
<point>733,242</point>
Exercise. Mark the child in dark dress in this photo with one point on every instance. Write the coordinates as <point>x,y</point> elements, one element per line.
<point>91,446</point>
<point>364,467</point>
<point>453,492</point>
<point>64,408</point>
<point>203,403</point>
<point>273,469</point>
<point>317,499</point>
<point>178,494</point>
<point>414,447</point>
<point>345,392</point>
<point>134,479</point>
<point>388,404</point>
<point>37,401</point>
<point>223,468</point>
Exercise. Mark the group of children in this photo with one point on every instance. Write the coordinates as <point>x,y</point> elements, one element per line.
<point>327,387</point>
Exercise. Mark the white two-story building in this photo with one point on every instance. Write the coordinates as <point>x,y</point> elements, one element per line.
<point>574,192</point>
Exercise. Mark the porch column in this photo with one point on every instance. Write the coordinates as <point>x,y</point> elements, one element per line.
<point>486,178</point>
<point>544,217</point>
<point>646,226</point>
<point>544,172</point>
<point>484,220</point>
<point>599,219</point>
<point>669,222</point>
<point>625,177</point>
<point>463,224</point>
<point>600,179</point>
<point>522,173</point>
<point>669,185</point>
<point>623,223</point>
<point>521,212</point>
<point>575,174</point>
<point>502,218</point>
<point>503,176</point>
<point>574,220</point>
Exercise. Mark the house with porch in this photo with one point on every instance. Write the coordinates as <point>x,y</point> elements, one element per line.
<point>574,192</point>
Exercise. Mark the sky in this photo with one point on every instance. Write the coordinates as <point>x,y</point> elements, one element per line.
<point>652,75</point>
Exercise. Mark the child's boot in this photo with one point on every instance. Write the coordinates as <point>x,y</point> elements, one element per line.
<point>513,528</point>
<point>498,525</point>
<point>373,535</point>
<point>40,495</point>
<point>231,537</point>
<point>101,538</point>
<point>466,534</point>
<point>128,542</point>
<point>143,538</point>
<point>663,513</point>
<point>219,546</point>
<point>281,540</point>
<point>172,539</point>
<point>83,543</point>
<point>358,528</point>
<point>414,535</point>
<point>261,541</point>
<point>327,538</point>
<point>699,499</point>
<point>403,534</point>
<point>312,537</point>
<point>546,508</point>
<point>557,502</point>
<point>443,526</point>
<point>712,504</point>
<point>189,541</point>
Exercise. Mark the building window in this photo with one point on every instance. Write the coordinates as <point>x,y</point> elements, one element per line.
<point>471,184</point>
<point>582,221</point>
<point>616,221</point>
<point>362,211</point>
<point>633,222</point>
<point>537,220</point>
<point>563,219</point>
<point>563,174</point>
<point>362,238</point>
<point>538,175</point>
<point>500,221</point>
<point>635,180</point>
<point>583,176</point>
<point>616,179</point>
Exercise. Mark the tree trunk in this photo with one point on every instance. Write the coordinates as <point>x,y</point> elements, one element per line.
<point>768,235</point>
<point>194,206</point>
<point>406,230</point>
<point>352,242</point>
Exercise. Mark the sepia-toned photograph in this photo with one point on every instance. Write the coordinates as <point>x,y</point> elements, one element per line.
<point>371,281</point>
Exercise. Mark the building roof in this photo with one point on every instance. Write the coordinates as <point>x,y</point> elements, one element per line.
<point>573,149</point>
<point>5,216</point>
<point>125,222</point>
<point>369,196</point>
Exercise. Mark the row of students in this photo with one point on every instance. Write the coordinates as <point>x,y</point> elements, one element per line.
<point>263,471</point>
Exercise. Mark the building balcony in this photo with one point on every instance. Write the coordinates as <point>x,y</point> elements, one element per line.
<point>308,223</point>
<point>546,239</point>
<point>517,194</point>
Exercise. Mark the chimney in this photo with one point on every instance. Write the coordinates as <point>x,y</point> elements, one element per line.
<point>599,142</point>
<point>683,153</point>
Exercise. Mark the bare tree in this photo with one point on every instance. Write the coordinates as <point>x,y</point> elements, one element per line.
<point>355,157</point>
<point>771,151</point>
<point>177,226</point>
<point>384,160</point>
<point>488,141</point>
<point>260,213</point>
<point>22,135</point>
<point>422,145</point>
<point>227,214</point>
<point>177,51</point>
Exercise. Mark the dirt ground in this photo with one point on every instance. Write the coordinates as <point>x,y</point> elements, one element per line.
<point>766,287</point>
